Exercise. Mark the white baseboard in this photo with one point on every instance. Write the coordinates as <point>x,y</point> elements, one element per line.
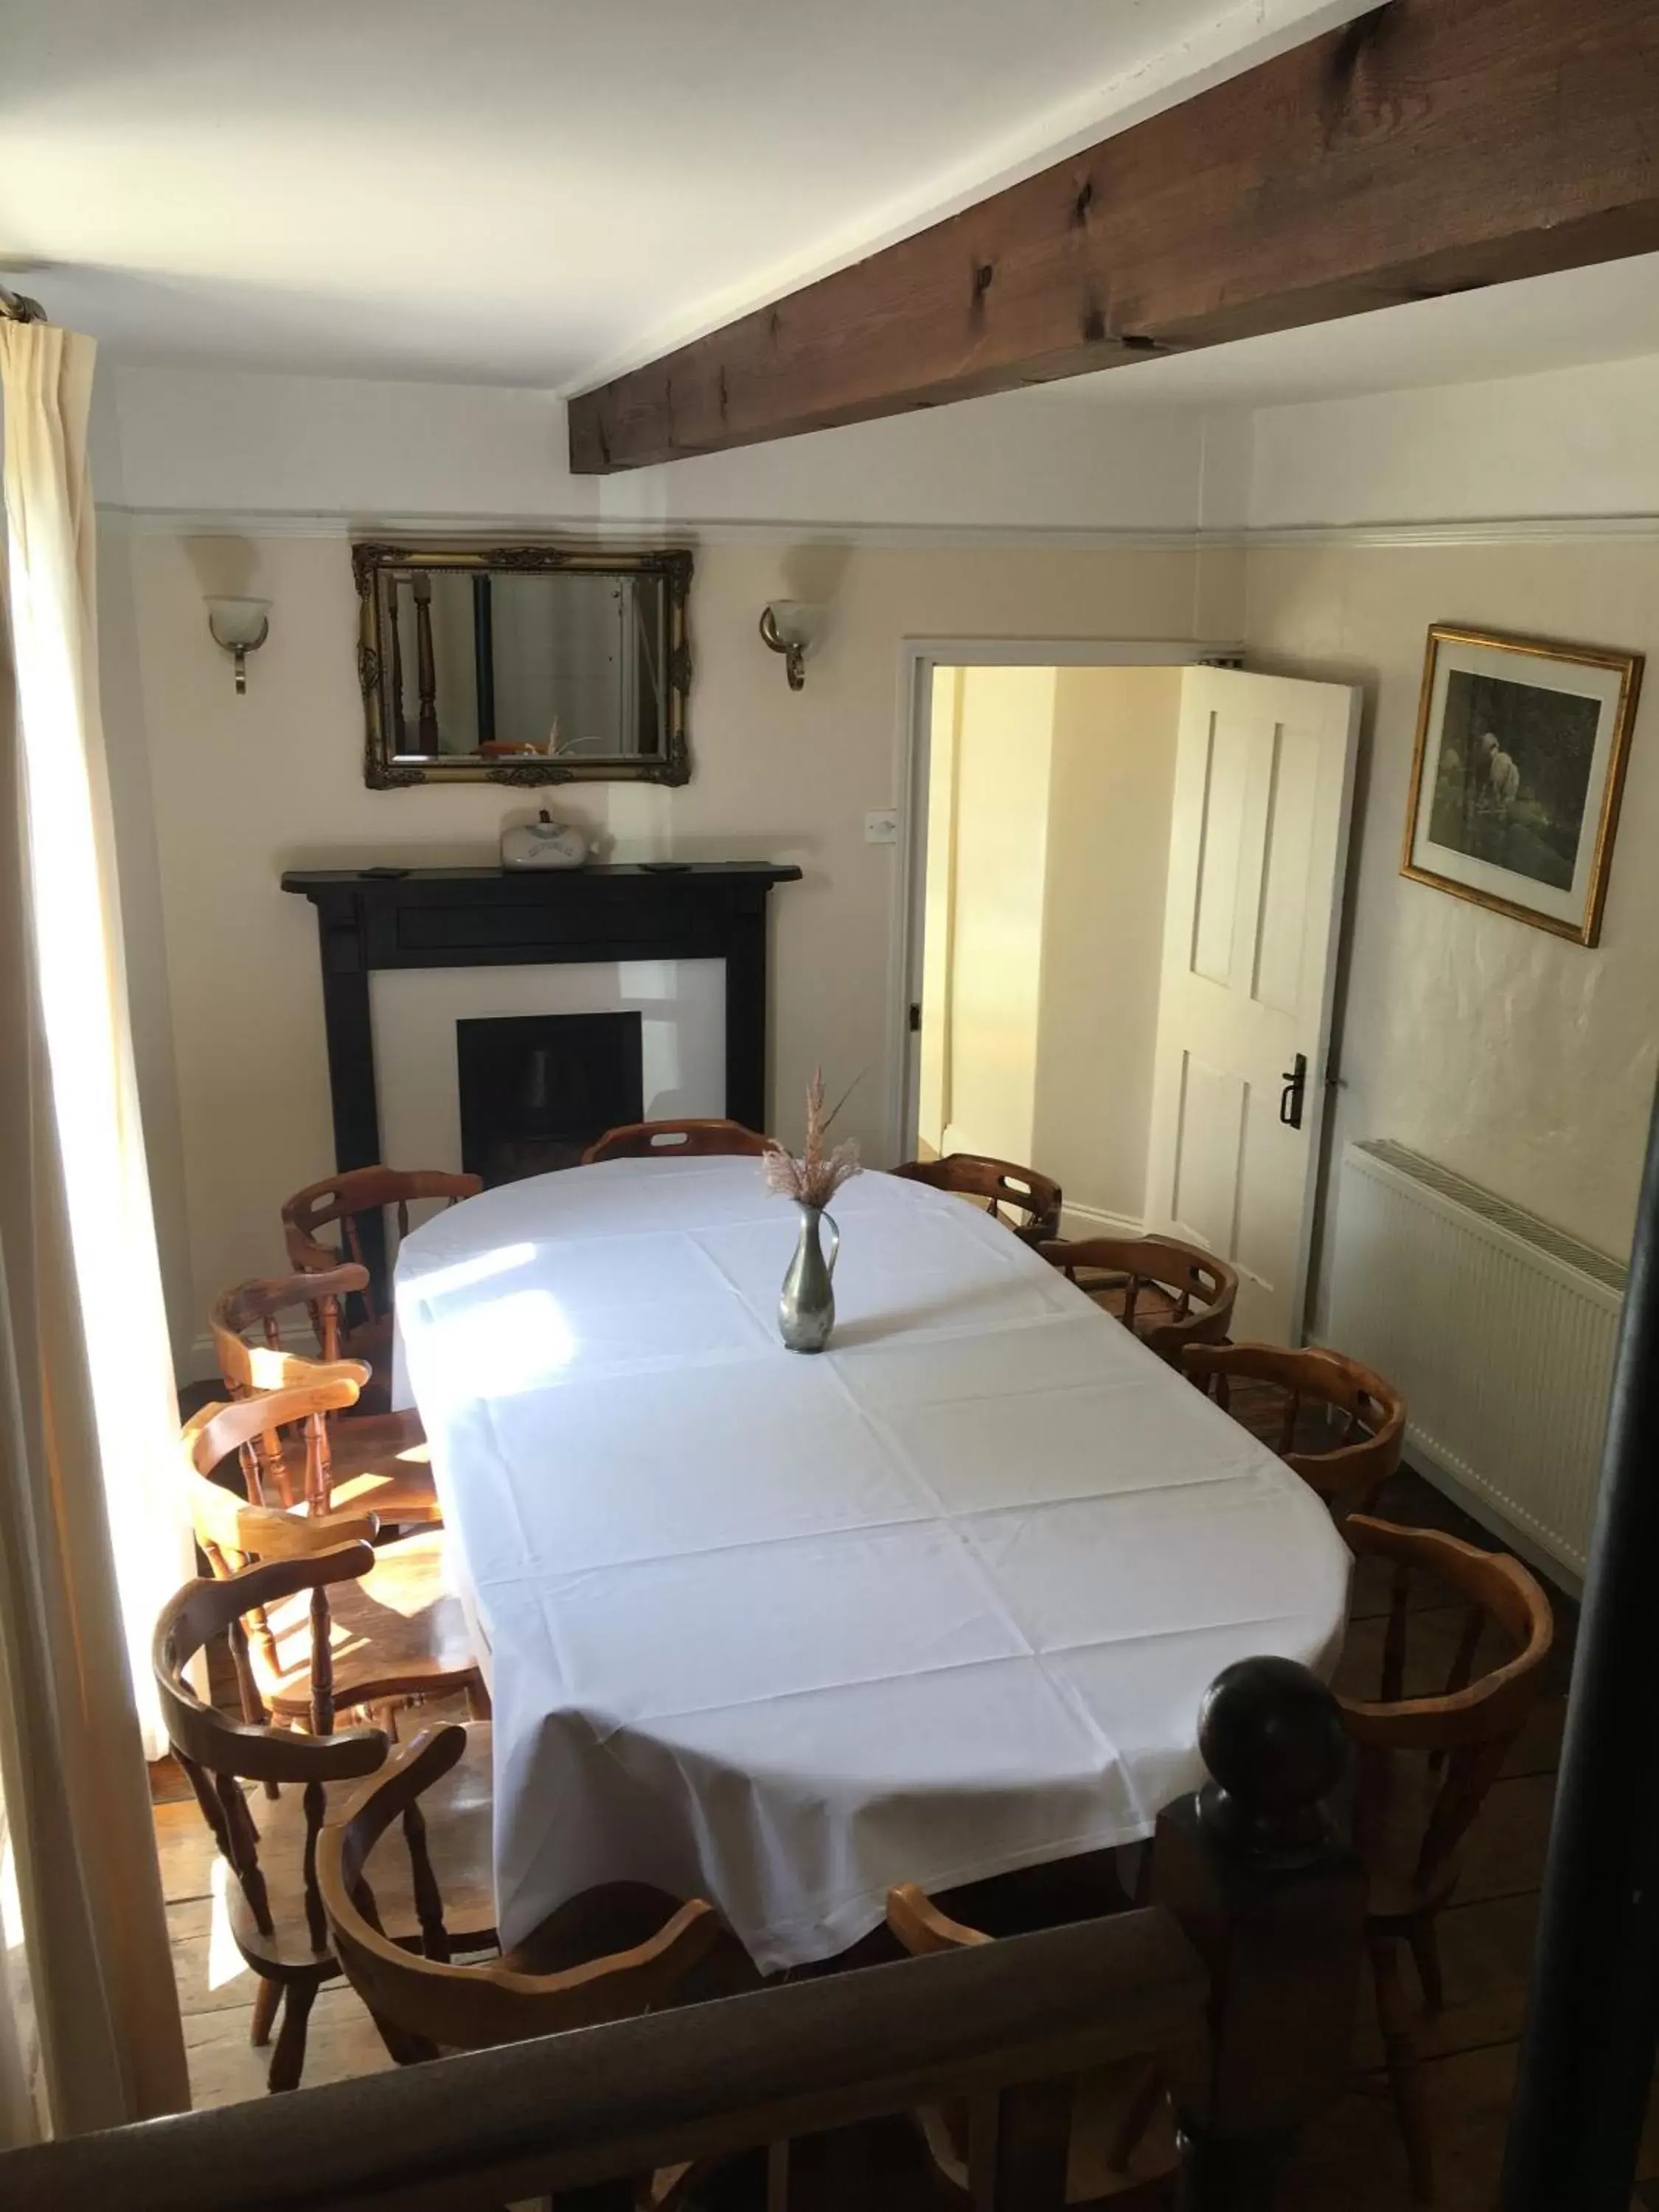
<point>1076,1221</point>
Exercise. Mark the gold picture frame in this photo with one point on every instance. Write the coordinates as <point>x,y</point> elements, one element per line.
<point>393,762</point>
<point>1517,772</point>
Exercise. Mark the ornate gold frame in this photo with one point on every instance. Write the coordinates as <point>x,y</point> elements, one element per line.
<point>1628,666</point>
<point>383,770</point>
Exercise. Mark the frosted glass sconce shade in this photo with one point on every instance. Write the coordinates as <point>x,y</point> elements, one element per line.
<point>789,626</point>
<point>241,626</point>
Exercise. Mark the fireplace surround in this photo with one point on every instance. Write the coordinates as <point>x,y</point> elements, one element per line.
<point>370,919</point>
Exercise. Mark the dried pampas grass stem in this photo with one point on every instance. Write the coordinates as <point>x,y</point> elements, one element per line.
<point>817,1175</point>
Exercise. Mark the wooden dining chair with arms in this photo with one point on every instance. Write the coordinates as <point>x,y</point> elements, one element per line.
<point>606,1954</point>
<point>341,1202</point>
<point>1019,1198</point>
<point>1123,2149</point>
<point>688,1140</point>
<point>274,1905</point>
<point>1167,1293</point>
<point>394,1635</point>
<point>1425,1762</point>
<point>349,1460</point>
<point>1362,1416</point>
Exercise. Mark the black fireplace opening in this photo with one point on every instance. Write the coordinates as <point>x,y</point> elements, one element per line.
<point>537,1088</point>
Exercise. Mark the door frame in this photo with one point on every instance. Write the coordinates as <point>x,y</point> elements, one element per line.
<point>919,657</point>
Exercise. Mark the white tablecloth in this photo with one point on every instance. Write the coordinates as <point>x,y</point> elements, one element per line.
<point>782,1631</point>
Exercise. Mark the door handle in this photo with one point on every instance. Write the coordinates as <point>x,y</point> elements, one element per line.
<point>1295,1080</point>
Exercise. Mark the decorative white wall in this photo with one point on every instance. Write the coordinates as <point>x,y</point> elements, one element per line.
<point>1111,802</point>
<point>246,787</point>
<point>1001,754</point>
<point>1513,1057</point>
<point>294,451</point>
<point>1523,1062</point>
<point>1574,444</point>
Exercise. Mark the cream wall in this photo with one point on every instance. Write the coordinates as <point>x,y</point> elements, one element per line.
<point>246,787</point>
<point>1001,752</point>
<point>212,442</point>
<point>1111,794</point>
<point>1524,1061</point>
<point>1572,442</point>
<point>1509,1055</point>
<point>939,910</point>
<point>1050,799</point>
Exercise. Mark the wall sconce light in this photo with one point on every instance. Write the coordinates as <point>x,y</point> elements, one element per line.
<point>789,626</point>
<point>241,626</point>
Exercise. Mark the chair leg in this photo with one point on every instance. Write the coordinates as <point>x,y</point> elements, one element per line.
<point>1426,1951</point>
<point>289,2058</point>
<point>266,1998</point>
<point>403,2047</point>
<point>478,1707</point>
<point>1405,2078</point>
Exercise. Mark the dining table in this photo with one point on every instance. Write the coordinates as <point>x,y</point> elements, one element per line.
<point>782,1630</point>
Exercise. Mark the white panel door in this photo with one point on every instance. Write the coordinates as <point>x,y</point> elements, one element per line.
<point>1264,783</point>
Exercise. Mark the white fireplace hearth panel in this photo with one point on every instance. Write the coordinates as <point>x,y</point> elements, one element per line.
<point>413,1012</point>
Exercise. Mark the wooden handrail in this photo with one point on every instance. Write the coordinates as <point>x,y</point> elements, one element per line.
<point>1241,1980</point>
<point>491,2127</point>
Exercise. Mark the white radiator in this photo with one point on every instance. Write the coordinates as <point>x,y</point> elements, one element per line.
<point>1499,1330</point>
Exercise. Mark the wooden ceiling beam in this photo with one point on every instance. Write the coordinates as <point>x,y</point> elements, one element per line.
<point>1432,146</point>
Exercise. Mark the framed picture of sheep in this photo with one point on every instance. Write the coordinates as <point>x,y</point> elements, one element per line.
<point>1521,747</point>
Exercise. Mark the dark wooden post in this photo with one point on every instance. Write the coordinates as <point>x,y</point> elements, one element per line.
<point>343,935</point>
<point>426,667</point>
<point>483,658</point>
<point>746,1006</point>
<point>1586,2068</point>
<point>1274,1904</point>
<point>395,684</point>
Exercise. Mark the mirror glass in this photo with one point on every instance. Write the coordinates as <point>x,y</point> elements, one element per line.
<point>523,665</point>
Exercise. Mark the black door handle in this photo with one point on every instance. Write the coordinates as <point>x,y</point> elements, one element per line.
<point>1295,1080</point>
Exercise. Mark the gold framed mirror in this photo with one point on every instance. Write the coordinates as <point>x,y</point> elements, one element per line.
<point>522,665</point>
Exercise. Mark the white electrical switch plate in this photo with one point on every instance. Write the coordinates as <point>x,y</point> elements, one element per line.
<point>881,827</point>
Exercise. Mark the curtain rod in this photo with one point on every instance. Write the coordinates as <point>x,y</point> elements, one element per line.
<point>15,308</point>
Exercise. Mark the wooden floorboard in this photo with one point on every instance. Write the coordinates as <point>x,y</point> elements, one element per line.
<point>1352,2159</point>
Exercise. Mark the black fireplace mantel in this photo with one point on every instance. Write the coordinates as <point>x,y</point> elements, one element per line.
<point>485,917</point>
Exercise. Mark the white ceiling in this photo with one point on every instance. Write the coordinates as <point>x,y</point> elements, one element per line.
<point>532,191</point>
<point>538,192</point>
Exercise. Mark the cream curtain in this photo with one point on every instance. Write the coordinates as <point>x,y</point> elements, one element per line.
<point>90,2034</point>
<point>69,870</point>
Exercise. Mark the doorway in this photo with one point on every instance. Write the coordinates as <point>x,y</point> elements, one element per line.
<point>1125,876</point>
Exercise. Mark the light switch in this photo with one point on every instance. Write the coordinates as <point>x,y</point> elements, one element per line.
<point>881,827</point>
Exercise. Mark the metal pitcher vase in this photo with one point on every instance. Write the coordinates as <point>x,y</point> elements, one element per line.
<point>806,1307</point>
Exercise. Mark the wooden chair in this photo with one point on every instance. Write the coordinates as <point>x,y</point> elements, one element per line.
<point>275,1906</point>
<point>1122,2148</point>
<point>645,1140</point>
<point>345,1199</point>
<point>1006,1188</point>
<point>1195,1292</point>
<point>1426,1763</point>
<point>397,1634</point>
<point>377,1463</point>
<point>1366,1415</point>
<point>607,1954</point>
